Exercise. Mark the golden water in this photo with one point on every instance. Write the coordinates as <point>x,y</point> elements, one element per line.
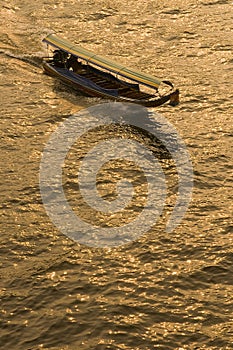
<point>163,291</point>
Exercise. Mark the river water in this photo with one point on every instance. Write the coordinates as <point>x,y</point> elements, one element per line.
<point>163,290</point>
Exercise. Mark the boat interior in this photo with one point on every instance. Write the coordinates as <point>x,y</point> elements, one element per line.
<point>105,80</point>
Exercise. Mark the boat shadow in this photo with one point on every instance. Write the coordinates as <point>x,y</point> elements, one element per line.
<point>147,129</point>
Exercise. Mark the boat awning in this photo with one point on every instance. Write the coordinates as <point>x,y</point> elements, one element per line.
<point>102,62</point>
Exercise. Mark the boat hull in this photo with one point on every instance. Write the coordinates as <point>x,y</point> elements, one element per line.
<point>111,88</point>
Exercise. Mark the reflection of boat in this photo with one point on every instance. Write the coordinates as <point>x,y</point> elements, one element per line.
<point>98,76</point>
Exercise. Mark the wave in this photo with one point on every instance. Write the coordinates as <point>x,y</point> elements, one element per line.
<point>34,59</point>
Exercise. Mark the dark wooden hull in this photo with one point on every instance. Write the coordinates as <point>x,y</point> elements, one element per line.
<point>95,83</point>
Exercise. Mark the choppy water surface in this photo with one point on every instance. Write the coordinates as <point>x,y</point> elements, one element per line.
<point>163,291</point>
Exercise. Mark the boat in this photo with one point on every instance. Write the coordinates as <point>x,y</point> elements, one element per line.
<point>98,76</point>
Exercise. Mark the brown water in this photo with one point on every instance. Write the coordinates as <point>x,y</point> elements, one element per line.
<point>163,291</point>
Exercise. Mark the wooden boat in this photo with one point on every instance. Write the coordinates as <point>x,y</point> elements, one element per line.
<point>97,76</point>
